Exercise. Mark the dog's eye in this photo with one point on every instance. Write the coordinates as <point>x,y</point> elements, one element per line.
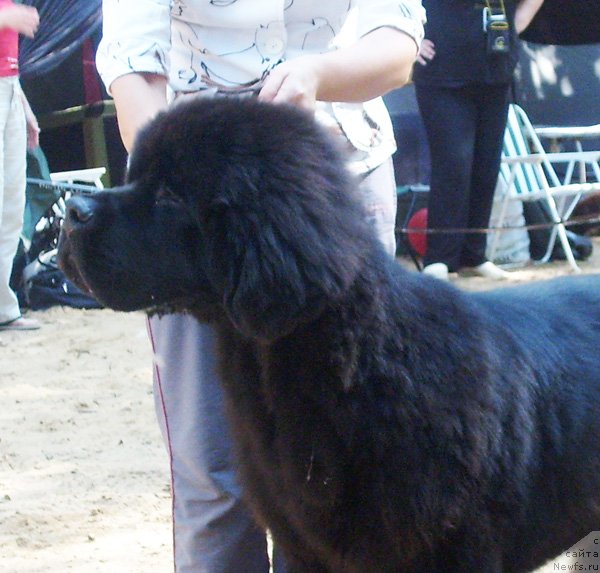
<point>166,195</point>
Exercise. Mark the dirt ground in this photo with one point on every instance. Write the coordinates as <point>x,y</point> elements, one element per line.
<point>84,479</point>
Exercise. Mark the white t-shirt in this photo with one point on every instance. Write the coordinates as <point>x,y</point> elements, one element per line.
<point>231,45</point>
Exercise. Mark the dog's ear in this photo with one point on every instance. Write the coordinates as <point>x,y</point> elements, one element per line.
<point>279,257</point>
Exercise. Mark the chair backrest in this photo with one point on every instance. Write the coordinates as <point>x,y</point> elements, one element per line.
<point>520,140</point>
<point>91,175</point>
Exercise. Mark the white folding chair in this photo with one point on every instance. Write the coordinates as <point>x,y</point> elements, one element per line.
<point>92,175</point>
<point>527,173</point>
<point>575,135</point>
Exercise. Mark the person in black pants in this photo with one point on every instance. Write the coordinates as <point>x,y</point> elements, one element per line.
<point>462,79</point>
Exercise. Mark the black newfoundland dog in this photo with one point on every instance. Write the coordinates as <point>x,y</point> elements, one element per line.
<point>386,422</point>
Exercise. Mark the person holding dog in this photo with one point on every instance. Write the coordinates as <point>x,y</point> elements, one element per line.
<point>19,129</point>
<point>462,80</point>
<point>281,52</point>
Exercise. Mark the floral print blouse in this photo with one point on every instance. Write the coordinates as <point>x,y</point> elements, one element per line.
<point>229,46</point>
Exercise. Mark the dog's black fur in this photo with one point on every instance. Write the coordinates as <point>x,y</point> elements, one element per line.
<point>385,421</point>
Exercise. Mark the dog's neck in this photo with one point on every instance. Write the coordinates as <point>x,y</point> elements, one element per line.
<point>326,345</point>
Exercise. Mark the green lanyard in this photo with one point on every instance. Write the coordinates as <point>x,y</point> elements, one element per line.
<point>491,10</point>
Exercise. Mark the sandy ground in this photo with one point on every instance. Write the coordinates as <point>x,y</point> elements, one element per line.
<point>83,472</point>
<point>84,482</point>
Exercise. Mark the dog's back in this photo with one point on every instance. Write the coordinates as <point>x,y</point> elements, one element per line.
<point>551,333</point>
<point>506,385</point>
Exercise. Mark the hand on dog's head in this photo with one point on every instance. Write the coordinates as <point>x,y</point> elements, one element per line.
<point>272,216</point>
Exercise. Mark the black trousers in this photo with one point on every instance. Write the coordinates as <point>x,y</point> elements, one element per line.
<point>465,128</point>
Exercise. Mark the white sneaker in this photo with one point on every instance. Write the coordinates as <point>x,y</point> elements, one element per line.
<point>437,270</point>
<point>489,270</point>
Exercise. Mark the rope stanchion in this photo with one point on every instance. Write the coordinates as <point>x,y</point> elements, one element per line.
<point>67,187</point>
<point>406,231</point>
<point>486,230</point>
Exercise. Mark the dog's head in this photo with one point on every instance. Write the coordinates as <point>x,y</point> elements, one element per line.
<point>231,206</point>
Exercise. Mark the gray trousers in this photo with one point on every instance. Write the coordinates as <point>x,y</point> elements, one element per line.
<point>212,530</point>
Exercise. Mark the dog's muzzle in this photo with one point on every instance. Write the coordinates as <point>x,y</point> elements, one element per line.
<point>79,220</point>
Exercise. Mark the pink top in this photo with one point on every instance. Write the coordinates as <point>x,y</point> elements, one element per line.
<point>9,47</point>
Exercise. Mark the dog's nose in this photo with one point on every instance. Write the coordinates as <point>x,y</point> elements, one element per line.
<point>79,212</point>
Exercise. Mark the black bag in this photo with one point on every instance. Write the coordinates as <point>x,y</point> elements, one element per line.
<point>45,285</point>
<point>536,212</point>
